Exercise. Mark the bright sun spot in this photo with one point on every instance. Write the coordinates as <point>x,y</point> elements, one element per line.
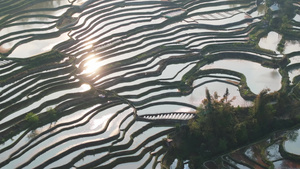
<point>91,66</point>
<point>85,87</point>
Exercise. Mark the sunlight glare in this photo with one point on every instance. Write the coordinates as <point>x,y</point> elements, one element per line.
<point>88,46</point>
<point>91,66</point>
<point>85,87</point>
<point>95,123</point>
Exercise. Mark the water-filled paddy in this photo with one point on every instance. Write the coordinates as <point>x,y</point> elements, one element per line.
<point>291,46</point>
<point>270,42</point>
<point>37,47</point>
<point>120,60</point>
<point>292,144</point>
<point>258,77</point>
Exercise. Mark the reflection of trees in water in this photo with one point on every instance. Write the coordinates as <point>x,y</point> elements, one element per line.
<point>294,42</point>
<point>293,135</point>
<point>33,134</point>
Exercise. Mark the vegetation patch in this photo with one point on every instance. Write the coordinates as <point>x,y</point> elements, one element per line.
<point>220,127</point>
<point>32,118</point>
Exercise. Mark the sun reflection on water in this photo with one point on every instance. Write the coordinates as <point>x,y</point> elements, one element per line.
<point>88,46</point>
<point>100,122</point>
<point>85,87</point>
<point>91,66</point>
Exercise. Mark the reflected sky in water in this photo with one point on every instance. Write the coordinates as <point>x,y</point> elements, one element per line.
<point>270,42</point>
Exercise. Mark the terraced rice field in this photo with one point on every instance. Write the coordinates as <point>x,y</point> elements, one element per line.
<point>265,153</point>
<point>89,68</point>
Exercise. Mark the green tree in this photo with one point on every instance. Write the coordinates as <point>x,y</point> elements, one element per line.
<point>241,132</point>
<point>222,145</point>
<point>217,125</point>
<point>32,118</point>
<point>285,23</point>
<point>207,101</point>
<point>52,112</point>
<point>226,94</point>
<point>263,110</point>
